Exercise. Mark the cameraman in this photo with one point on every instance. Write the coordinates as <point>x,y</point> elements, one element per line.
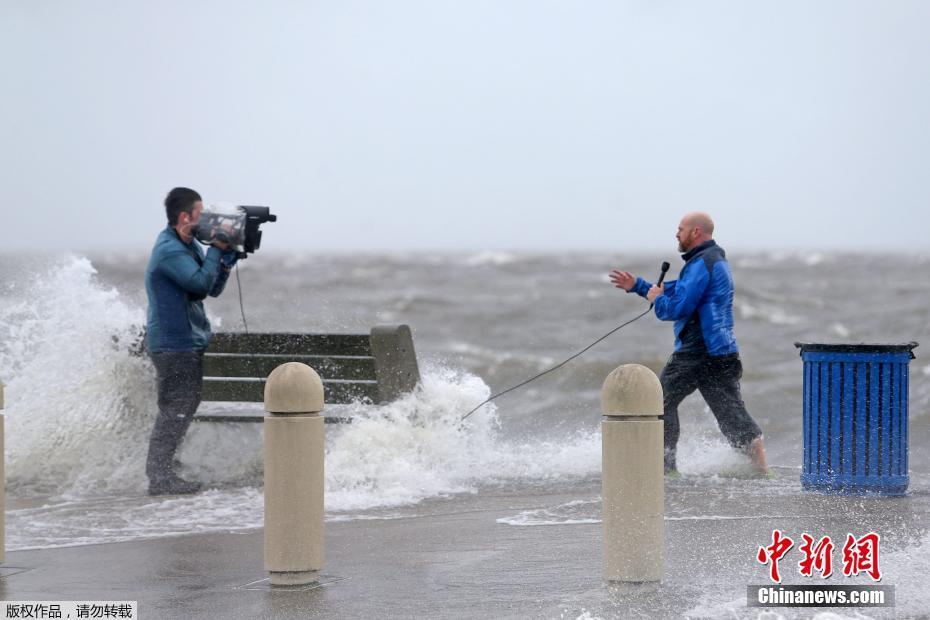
<point>177,279</point>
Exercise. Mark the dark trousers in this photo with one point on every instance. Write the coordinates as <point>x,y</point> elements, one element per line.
<point>179,378</point>
<point>717,378</point>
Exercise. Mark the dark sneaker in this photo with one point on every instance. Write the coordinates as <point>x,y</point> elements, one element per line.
<point>173,486</point>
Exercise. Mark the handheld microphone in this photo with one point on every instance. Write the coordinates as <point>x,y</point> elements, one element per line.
<point>665,267</point>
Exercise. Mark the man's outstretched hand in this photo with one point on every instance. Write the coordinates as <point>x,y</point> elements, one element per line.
<point>623,279</point>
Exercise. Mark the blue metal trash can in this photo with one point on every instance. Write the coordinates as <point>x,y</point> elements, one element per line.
<point>855,417</point>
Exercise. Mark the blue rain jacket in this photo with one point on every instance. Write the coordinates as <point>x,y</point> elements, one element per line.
<point>700,302</point>
<point>177,280</point>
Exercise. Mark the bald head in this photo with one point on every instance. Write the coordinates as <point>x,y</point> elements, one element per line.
<point>701,220</point>
<point>695,228</point>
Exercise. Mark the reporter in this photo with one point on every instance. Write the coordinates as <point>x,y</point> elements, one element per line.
<point>706,357</point>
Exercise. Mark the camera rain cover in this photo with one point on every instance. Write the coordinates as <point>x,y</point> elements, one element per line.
<point>221,223</point>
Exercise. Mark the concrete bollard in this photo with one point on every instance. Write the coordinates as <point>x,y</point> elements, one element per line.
<point>293,449</point>
<point>632,484</point>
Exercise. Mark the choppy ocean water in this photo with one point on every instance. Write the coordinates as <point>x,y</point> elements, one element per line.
<point>79,406</point>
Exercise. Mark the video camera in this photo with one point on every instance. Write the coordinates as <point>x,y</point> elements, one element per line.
<point>238,227</point>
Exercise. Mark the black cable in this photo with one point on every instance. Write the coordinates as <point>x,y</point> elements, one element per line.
<point>241,307</point>
<point>255,366</point>
<point>519,385</point>
<point>664,270</point>
<point>559,365</point>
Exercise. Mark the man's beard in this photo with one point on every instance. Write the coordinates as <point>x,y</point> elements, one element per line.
<point>681,247</point>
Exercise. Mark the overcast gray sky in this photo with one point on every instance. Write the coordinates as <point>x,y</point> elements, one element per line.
<point>470,125</point>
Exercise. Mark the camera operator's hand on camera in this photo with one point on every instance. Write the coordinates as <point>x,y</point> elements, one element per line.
<point>228,259</point>
<point>220,245</point>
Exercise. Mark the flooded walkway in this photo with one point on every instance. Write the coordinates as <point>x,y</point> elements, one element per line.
<point>502,555</point>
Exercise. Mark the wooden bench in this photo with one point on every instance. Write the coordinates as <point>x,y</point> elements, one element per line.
<point>377,367</point>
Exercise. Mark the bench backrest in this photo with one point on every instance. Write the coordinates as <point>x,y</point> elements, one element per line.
<point>378,367</point>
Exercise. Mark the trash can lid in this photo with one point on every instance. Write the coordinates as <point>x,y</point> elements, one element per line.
<point>814,347</point>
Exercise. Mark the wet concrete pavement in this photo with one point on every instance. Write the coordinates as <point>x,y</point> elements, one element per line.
<point>455,560</point>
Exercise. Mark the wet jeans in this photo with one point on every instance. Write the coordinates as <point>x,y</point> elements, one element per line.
<point>179,379</point>
<point>717,378</point>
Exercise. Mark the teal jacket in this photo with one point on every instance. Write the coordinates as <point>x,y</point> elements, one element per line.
<point>178,278</point>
